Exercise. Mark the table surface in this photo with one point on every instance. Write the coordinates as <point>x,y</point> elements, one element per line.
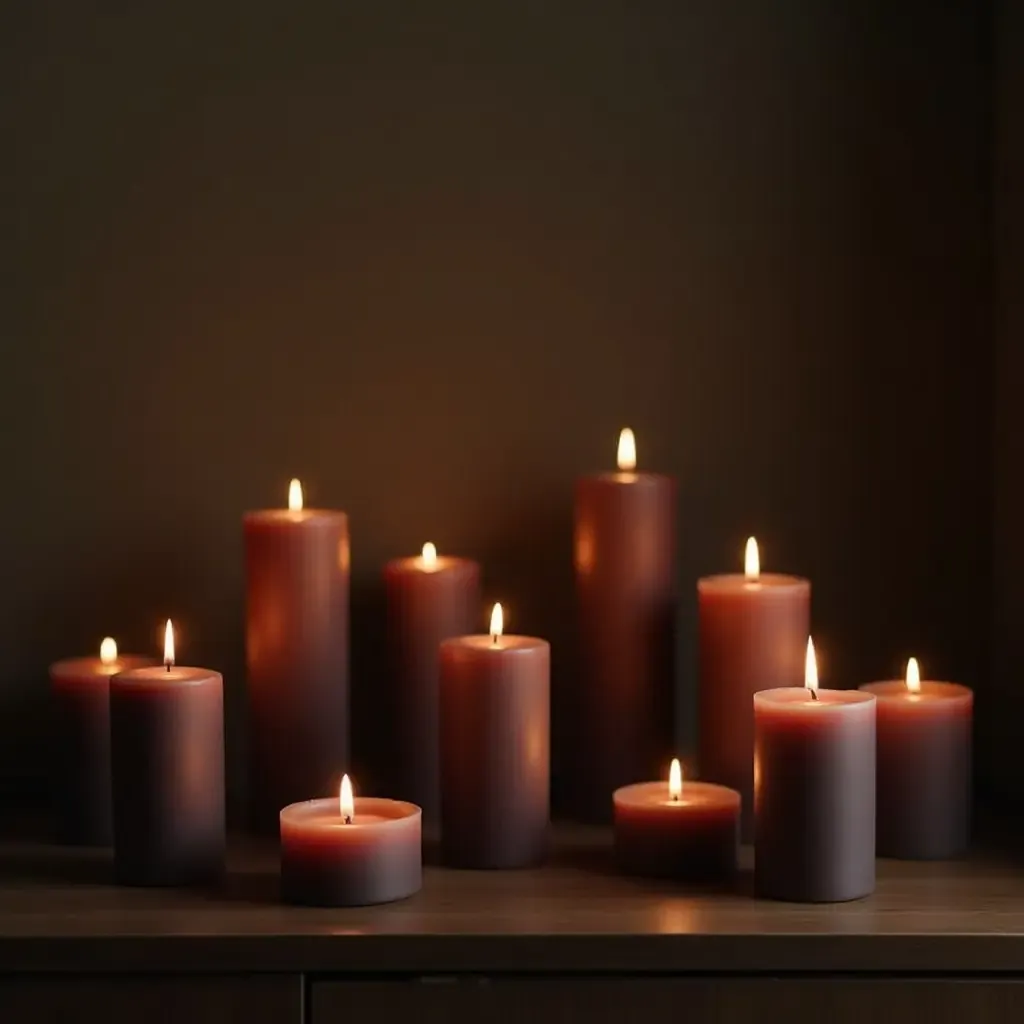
<point>59,912</point>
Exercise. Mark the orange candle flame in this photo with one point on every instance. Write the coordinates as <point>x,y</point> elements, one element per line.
<point>497,623</point>
<point>108,651</point>
<point>675,781</point>
<point>627,451</point>
<point>346,801</point>
<point>811,670</point>
<point>295,496</point>
<point>913,676</point>
<point>168,645</point>
<point>752,560</point>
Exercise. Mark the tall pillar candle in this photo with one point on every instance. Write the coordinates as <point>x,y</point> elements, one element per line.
<point>495,749</point>
<point>80,690</point>
<point>814,792</point>
<point>924,767</point>
<point>429,599</point>
<point>167,772</point>
<point>297,626</point>
<point>753,629</point>
<point>624,547</point>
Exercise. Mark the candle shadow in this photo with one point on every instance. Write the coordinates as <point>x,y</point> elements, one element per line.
<point>257,888</point>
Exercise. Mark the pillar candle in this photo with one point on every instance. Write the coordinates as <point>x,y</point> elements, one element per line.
<point>297,607</point>
<point>753,629</point>
<point>495,749</point>
<point>688,833</point>
<point>167,771</point>
<point>429,599</point>
<point>80,690</point>
<point>624,550</point>
<point>350,852</point>
<point>814,792</point>
<point>924,767</point>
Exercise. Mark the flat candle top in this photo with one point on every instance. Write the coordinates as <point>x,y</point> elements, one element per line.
<point>82,668</point>
<point>161,675</point>
<point>298,517</point>
<point>416,564</point>
<point>631,478</point>
<point>694,795</point>
<point>505,642</point>
<point>737,583</point>
<point>931,692</point>
<point>797,700</point>
<point>324,815</point>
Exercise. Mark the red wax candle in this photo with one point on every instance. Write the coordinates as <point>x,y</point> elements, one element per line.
<point>753,630</point>
<point>690,833</point>
<point>429,599</point>
<point>495,749</point>
<point>814,792</point>
<point>350,852</point>
<point>624,550</point>
<point>167,773</point>
<point>80,688</point>
<point>924,767</point>
<point>297,589</point>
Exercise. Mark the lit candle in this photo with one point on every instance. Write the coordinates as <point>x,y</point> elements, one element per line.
<point>622,697</point>
<point>350,851</point>
<point>753,627</point>
<point>80,691</point>
<point>924,766</point>
<point>297,626</point>
<point>814,791</point>
<point>429,599</point>
<point>689,833</point>
<point>167,771</point>
<point>495,748</point>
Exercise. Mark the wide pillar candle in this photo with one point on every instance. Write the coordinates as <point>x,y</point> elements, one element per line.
<point>753,628</point>
<point>924,767</point>
<point>624,551</point>
<point>80,690</point>
<point>429,599</point>
<point>495,750</point>
<point>297,654</point>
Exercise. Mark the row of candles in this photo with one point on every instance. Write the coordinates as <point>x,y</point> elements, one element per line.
<point>819,779</point>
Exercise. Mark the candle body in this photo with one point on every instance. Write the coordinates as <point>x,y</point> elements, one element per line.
<point>753,636</point>
<point>814,795</point>
<point>425,606</point>
<point>624,552</point>
<point>80,690</point>
<point>924,769</point>
<point>326,863</point>
<point>495,751</point>
<point>167,770</point>
<point>297,608</point>
<point>695,839</point>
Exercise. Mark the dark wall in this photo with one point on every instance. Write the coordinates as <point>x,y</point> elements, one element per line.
<point>430,258</point>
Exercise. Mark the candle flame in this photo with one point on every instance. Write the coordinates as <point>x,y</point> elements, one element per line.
<point>913,676</point>
<point>295,496</point>
<point>429,556</point>
<point>168,644</point>
<point>627,450</point>
<point>497,623</point>
<point>752,560</point>
<point>811,669</point>
<point>346,801</point>
<point>675,781</point>
<point>108,650</point>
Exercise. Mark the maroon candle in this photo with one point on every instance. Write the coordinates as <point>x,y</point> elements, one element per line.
<point>924,767</point>
<point>625,585</point>
<point>495,749</point>
<point>429,599</point>
<point>167,769</point>
<point>80,689</point>
<point>297,586</point>
<point>348,852</point>
<point>753,630</point>
<point>814,792</point>
<point>689,833</point>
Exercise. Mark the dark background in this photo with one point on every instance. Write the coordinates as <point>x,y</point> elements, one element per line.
<point>430,258</point>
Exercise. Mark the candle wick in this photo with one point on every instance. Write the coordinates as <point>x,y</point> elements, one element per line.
<point>812,692</point>
<point>167,665</point>
<point>675,798</point>
<point>348,819</point>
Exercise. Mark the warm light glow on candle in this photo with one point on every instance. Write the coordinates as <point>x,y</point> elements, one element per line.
<point>913,676</point>
<point>429,556</point>
<point>675,781</point>
<point>497,623</point>
<point>811,670</point>
<point>108,650</point>
<point>168,644</point>
<point>346,802</point>
<point>295,496</point>
<point>752,560</point>
<point>627,451</point>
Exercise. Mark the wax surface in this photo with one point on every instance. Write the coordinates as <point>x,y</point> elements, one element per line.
<point>622,699</point>
<point>297,627</point>
<point>753,635</point>
<point>924,769</point>
<point>425,606</point>
<point>814,794</point>
<point>495,751</point>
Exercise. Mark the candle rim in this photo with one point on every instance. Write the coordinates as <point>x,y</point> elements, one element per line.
<point>692,786</point>
<point>90,665</point>
<point>797,697</point>
<point>936,689</point>
<point>766,582</point>
<point>180,675</point>
<point>485,642</point>
<point>633,477</point>
<point>334,820</point>
<point>300,516</point>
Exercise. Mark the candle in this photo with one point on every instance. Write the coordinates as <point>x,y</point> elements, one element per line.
<point>753,628</point>
<point>495,748</point>
<point>924,767</point>
<point>80,689</point>
<point>429,599</point>
<point>814,792</point>
<point>167,771</point>
<point>689,833</point>
<point>297,592</point>
<point>350,852</point>
<point>624,549</point>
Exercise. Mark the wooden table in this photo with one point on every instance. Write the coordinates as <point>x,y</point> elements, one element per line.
<point>570,941</point>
